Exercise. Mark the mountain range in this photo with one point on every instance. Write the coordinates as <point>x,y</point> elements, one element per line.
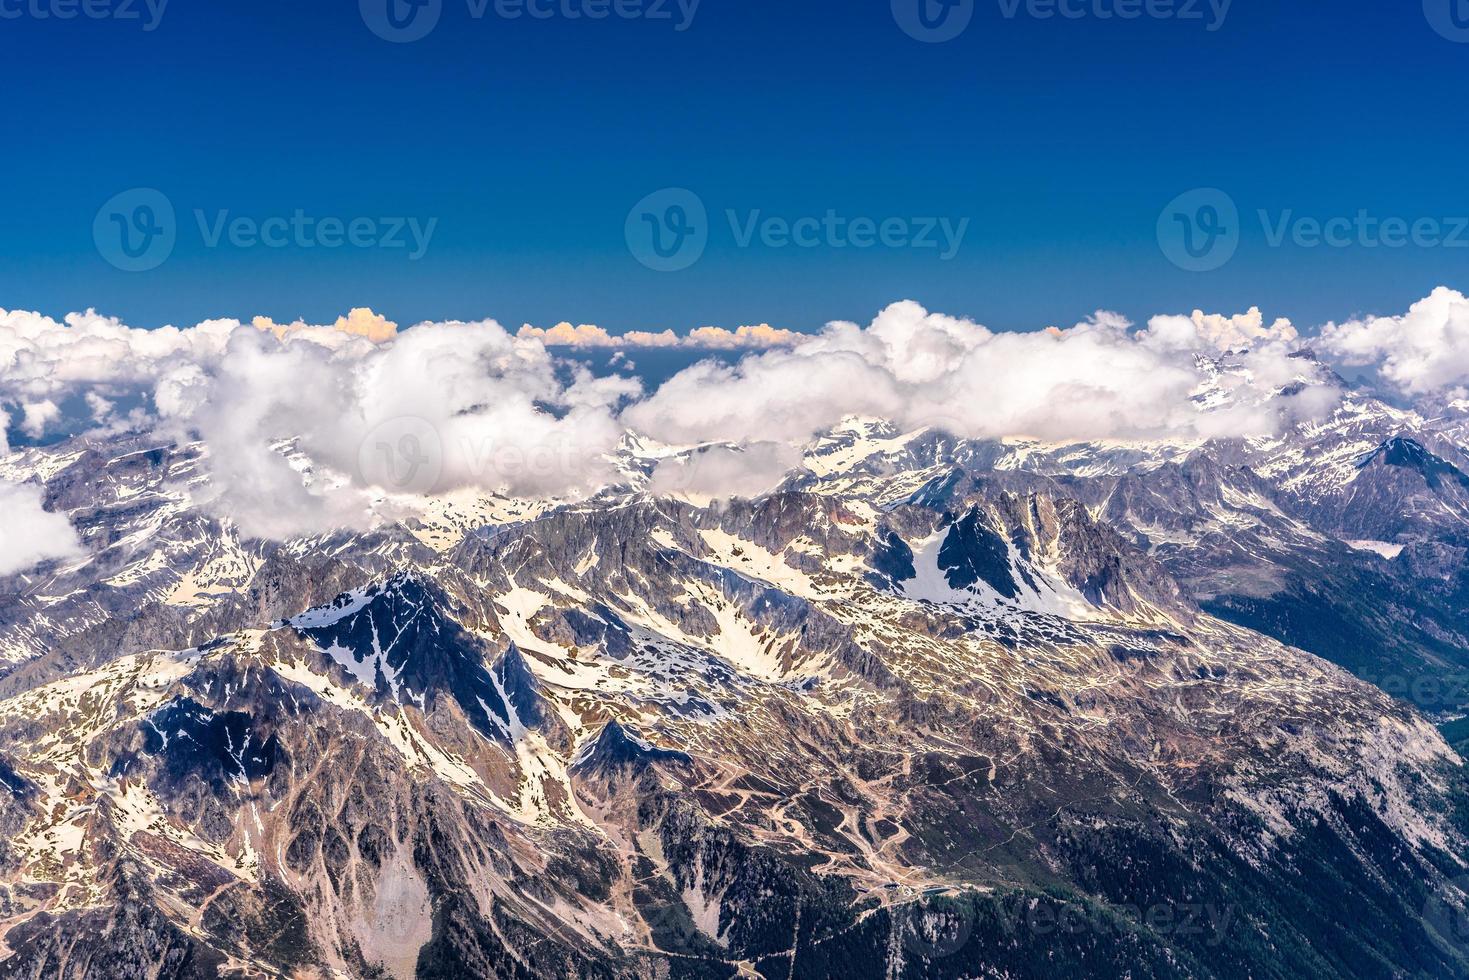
<point>932,707</point>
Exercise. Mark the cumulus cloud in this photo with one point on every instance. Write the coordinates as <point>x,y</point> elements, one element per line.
<point>565,335</point>
<point>757,337</point>
<point>101,408</point>
<point>100,358</point>
<point>722,471</point>
<point>444,406</point>
<point>1214,332</point>
<point>310,428</point>
<point>1096,380</point>
<point>360,322</point>
<point>643,338</point>
<point>30,534</point>
<point>1424,350</point>
<point>41,358</point>
<point>36,416</point>
<point>290,413</point>
<point>588,336</point>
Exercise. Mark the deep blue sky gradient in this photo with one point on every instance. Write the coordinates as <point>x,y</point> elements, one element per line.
<point>530,140</point>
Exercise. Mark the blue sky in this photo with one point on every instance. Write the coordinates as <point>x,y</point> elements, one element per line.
<point>527,141</point>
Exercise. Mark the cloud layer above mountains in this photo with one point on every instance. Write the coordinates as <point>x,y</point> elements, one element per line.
<point>313,427</point>
<point>1097,380</point>
<point>588,336</point>
<point>1423,351</point>
<point>29,534</point>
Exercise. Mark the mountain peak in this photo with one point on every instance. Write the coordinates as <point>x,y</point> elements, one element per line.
<point>618,749</point>
<point>1406,453</point>
<point>400,639</point>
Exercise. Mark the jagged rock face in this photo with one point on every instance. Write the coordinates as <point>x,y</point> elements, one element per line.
<point>1402,491</point>
<point>399,641</point>
<point>618,752</point>
<point>1345,537</point>
<point>922,713</point>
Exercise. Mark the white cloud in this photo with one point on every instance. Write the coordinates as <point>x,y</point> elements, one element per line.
<point>360,322</point>
<point>44,361</point>
<point>566,335</point>
<point>723,471</point>
<point>302,423</point>
<point>1213,332</point>
<point>588,336</point>
<point>1097,380</point>
<point>644,338</point>
<point>760,337</point>
<point>36,416</point>
<point>29,534</point>
<point>1424,350</point>
<point>100,407</point>
<point>41,358</point>
<point>484,409</point>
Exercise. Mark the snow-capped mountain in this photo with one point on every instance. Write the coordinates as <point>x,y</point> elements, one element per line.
<point>932,708</point>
